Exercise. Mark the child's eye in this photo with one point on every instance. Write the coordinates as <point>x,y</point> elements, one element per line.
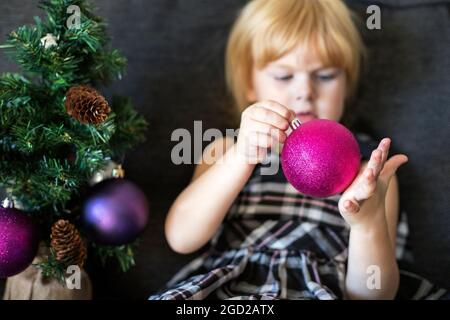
<point>284,78</point>
<point>326,76</point>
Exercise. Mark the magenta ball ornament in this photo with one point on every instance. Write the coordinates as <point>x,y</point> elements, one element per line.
<point>19,241</point>
<point>320,158</point>
<point>115,212</point>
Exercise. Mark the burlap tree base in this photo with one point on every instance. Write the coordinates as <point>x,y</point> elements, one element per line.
<point>32,285</point>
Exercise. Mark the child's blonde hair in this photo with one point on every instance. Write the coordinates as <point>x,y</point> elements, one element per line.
<point>267,29</point>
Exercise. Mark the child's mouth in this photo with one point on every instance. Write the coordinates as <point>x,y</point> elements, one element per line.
<point>306,116</point>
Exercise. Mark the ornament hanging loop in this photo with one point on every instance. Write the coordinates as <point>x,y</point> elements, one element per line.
<point>8,203</point>
<point>295,124</point>
<point>118,172</point>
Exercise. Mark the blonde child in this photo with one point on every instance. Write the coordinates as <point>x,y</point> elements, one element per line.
<point>287,59</point>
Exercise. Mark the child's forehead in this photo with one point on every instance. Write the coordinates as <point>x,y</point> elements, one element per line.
<point>300,57</point>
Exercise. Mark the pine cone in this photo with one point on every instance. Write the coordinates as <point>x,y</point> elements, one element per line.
<point>86,105</point>
<point>68,244</point>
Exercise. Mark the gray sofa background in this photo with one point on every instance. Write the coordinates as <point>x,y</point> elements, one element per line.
<point>175,75</point>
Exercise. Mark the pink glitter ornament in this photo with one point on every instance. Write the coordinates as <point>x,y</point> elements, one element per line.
<point>320,158</point>
<point>19,240</point>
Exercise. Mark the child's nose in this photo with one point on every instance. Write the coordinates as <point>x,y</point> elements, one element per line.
<point>304,90</point>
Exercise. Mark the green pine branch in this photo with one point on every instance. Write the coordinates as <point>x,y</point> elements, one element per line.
<point>52,268</point>
<point>124,254</point>
<point>131,127</point>
<point>47,158</point>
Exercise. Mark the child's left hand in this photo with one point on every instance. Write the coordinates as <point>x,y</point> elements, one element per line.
<point>365,197</point>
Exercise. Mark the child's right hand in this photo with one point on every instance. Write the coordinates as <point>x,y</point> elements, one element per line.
<point>263,124</point>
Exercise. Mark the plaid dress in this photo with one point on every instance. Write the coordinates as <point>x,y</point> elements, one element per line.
<point>276,243</point>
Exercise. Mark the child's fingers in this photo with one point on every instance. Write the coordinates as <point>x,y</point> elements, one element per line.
<point>258,139</point>
<point>379,156</point>
<point>274,132</point>
<point>366,185</point>
<point>283,111</point>
<point>393,164</point>
<point>385,144</point>
<point>351,206</point>
<point>257,126</point>
<point>375,162</point>
<point>265,115</point>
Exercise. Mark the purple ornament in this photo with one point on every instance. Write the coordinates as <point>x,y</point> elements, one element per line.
<point>115,212</point>
<point>320,158</point>
<point>19,241</point>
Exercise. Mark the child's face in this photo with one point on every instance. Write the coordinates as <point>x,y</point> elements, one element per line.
<point>301,82</point>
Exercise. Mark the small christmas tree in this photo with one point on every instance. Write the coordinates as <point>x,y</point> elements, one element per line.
<point>57,131</point>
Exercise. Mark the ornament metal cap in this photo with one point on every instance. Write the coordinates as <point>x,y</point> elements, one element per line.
<point>118,172</point>
<point>295,123</point>
<point>8,203</point>
<point>111,170</point>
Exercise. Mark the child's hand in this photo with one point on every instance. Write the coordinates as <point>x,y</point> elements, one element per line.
<point>365,197</point>
<point>262,125</point>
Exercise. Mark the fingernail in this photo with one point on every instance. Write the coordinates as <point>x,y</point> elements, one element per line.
<point>293,115</point>
<point>349,206</point>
